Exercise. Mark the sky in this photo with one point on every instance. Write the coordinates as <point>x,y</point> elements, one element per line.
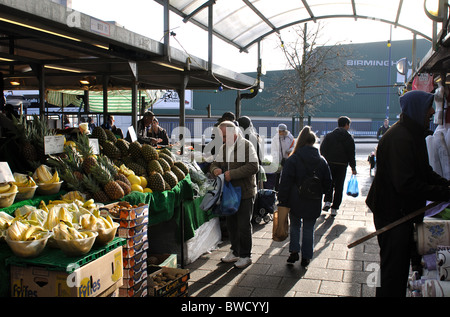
<point>146,18</point>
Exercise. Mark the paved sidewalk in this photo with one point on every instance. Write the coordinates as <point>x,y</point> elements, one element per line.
<point>335,270</point>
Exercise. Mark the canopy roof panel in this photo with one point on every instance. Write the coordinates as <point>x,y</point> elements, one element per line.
<point>243,23</point>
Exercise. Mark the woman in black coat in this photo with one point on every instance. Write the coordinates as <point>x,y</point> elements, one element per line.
<point>302,161</point>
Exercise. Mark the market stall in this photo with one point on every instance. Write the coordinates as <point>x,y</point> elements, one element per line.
<point>71,214</point>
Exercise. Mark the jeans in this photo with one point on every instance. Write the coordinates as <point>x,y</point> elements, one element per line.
<point>307,231</point>
<point>240,228</point>
<point>338,173</point>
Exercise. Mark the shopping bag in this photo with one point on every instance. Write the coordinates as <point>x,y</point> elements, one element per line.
<point>230,201</point>
<point>352,186</point>
<point>280,230</point>
<point>213,195</point>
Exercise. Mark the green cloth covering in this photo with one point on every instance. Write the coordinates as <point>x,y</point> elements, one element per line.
<point>164,206</point>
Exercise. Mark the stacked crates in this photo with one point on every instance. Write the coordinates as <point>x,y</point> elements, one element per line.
<point>133,228</point>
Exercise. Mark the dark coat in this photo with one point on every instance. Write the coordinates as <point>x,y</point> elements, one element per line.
<point>338,147</point>
<point>293,174</point>
<point>404,180</point>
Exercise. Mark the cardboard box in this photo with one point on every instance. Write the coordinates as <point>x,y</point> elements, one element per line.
<point>138,290</point>
<point>174,286</point>
<point>89,280</point>
<point>132,261</point>
<point>167,260</point>
<point>126,214</point>
<point>138,268</point>
<point>133,223</point>
<point>131,232</point>
<point>134,250</point>
<point>134,240</point>
<point>135,279</point>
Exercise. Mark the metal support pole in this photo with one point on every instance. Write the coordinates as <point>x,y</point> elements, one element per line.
<point>210,38</point>
<point>134,105</point>
<point>41,78</point>
<point>2,96</point>
<point>105,97</point>
<point>166,30</point>
<point>86,101</point>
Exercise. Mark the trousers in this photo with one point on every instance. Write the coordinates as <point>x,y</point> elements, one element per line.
<point>396,252</point>
<point>306,232</point>
<point>334,194</point>
<point>240,228</point>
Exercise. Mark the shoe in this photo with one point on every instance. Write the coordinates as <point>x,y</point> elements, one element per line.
<point>333,212</point>
<point>293,257</point>
<point>305,262</point>
<point>243,262</point>
<point>229,258</point>
<point>326,206</point>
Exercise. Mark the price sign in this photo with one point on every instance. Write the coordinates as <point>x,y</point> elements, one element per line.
<point>53,144</point>
<point>5,173</point>
<point>94,145</point>
<point>132,133</point>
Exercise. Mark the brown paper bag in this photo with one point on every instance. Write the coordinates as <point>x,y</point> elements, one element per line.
<point>280,230</point>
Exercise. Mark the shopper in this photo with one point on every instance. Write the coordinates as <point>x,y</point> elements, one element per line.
<point>238,161</point>
<point>143,127</point>
<point>282,145</point>
<point>158,134</point>
<point>91,124</point>
<point>304,159</point>
<point>382,130</point>
<point>403,183</point>
<point>249,133</point>
<point>338,148</point>
<point>109,124</point>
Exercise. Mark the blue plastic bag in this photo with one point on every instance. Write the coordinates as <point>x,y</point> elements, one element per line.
<point>352,186</point>
<point>230,200</point>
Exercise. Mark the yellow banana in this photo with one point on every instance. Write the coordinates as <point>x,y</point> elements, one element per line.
<point>89,234</point>
<point>12,189</point>
<point>17,230</point>
<point>110,220</point>
<point>74,233</point>
<point>43,174</point>
<point>4,187</point>
<point>30,231</point>
<point>88,203</point>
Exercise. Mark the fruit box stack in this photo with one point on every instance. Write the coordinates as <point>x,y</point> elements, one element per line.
<point>133,227</point>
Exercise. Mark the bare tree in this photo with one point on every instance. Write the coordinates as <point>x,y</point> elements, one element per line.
<point>315,76</point>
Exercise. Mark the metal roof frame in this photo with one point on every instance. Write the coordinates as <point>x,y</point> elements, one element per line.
<point>190,11</point>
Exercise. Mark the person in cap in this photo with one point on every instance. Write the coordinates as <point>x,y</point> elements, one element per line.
<point>403,183</point>
<point>238,161</point>
<point>338,148</point>
<point>281,147</point>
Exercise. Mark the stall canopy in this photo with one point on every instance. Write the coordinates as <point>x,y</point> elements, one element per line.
<point>43,43</point>
<point>243,23</point>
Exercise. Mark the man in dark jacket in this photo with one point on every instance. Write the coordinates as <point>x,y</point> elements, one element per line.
<point>338,148</point>
<point>403,183</point>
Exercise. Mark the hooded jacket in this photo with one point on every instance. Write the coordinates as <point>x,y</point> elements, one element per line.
<point>338,147</point>
<point>282,146</point>
<point>294,172</point>
<point>404,180</point>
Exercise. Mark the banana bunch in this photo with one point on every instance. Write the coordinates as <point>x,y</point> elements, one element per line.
<point>43,175</point>
<point>65,231</point>
<point>5,220</point>
<point>25,231</point>
<point>7,188</point>
<point>22,180</point>
<point>91,222</point>
<point>73,196</point>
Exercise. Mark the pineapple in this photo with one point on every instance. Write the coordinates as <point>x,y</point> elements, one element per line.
<point>94,189</point>
<point>86,153</point>
<point>156,182</point>
<point>123,146</point>
<point>110,186</point>
<point>114,171</point>
<point>100,134</point>
<point>135,150</point>
<point>110,150</point>
<point>149,152</point>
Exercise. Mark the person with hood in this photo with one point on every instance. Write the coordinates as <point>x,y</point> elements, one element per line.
<point>403,183</point>
<point>282,145</point>
<point>338,148</point>
<point>298,166</point>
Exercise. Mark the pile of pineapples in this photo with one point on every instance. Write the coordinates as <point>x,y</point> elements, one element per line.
<point>104,178</point>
